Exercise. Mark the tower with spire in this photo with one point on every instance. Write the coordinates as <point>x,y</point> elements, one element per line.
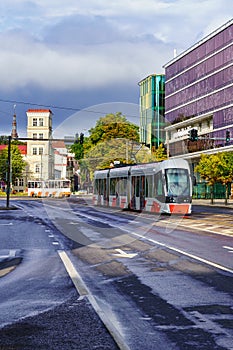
<point>14,133</point>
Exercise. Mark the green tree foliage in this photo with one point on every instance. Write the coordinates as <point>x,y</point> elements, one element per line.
<point>78,150</point>
<point>144,155</point>
<point>4,141</point>
<point>216,168</point>
<point>17,163</point>
<point>113,126</point>
<point>160,153</point>
<point>112,138</point>
<point>105,153</point>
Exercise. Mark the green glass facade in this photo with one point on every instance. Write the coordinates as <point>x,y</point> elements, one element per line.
<point>152,110</point>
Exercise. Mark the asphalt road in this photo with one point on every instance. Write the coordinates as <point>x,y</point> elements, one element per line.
<point>160,282</point>
<point>39,306</point>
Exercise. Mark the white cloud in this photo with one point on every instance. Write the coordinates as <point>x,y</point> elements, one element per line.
<point>74,44</point>
<point>99,65</point>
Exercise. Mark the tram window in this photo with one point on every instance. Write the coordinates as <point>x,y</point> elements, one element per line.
<point>158,188</point>
<point>177,181</point>
<point>99,186</point>
<point>102,188</point>
<point>137,186</point>
<point>149,186</point>
<point>65,184</point>
<point>51,184</point>
<point>96,187</point>
<point>113,186</point>
<point>122,186</point>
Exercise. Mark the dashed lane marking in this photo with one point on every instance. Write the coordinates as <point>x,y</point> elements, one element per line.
<point>230,249</point>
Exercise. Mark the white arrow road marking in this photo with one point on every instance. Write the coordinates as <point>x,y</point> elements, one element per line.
<point>230,249</point>
<point>11,254</point>
<point>123,254</point>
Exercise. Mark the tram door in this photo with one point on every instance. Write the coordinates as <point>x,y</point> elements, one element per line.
<point>138,199</point>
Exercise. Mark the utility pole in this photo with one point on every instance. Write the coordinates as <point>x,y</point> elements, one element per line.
<point>8,183</point>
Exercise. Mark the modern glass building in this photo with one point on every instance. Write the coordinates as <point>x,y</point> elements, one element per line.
<point>152,110</point>
<point>199,94</point>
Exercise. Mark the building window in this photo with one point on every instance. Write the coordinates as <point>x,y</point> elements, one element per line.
<point>37,168</point>
<point>21,182</point>
<point>40,150</point>
<point>34,151</point>
<point>34,136</point>
<point>41,122</point>
<point>34,121</point>
<point>41,136</point>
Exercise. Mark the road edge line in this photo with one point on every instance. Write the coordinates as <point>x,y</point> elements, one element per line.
<point>82,289</point>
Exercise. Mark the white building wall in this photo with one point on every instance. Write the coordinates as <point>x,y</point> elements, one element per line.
<point>40,155</point>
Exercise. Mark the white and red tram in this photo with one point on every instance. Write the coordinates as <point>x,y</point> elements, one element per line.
<point>49,188</point>
<point>161,187</point>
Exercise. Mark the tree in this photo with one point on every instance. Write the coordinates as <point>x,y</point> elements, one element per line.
<point>17,163</point>
<point>226,171</point>
<point>4,141</point>
<point>113,126</point>
<point>78,150</point>
<point>216,168</point>
<point>112,138</point>
<point>160,153</point>
<point>104,154</point>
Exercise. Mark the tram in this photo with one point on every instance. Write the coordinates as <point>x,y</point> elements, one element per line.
<point>49,188</point>
<point>161,187</point>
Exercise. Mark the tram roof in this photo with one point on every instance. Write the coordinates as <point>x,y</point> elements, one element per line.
<point>122,171</point>
<point>101,174</point>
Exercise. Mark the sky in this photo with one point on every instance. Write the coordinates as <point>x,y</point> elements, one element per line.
<point>84,59</point>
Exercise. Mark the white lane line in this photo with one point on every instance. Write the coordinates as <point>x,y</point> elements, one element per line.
<point>123,254</point>
<point>83,291</point>
<point>227,230</point>
<point>210,263</point>
<point>194,224</point>
<point>230,249</point>
<point>8,224</point>
<point>226,247</point>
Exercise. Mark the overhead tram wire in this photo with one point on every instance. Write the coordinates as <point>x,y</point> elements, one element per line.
<point>61,107</point>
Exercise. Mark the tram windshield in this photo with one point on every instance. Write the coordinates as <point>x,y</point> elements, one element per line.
<point>177,182</point>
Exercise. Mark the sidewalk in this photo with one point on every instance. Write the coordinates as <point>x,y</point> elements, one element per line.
<point>217,203</point>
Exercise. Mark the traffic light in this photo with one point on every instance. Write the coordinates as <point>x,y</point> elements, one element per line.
<point>81,138</point>
<point>193,135</point>
<point>228,136</point>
